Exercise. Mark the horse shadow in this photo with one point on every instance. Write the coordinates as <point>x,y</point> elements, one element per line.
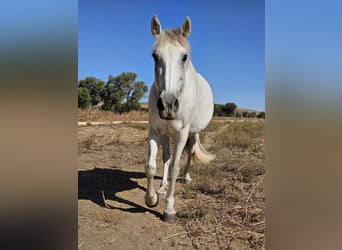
<point>98,185</point>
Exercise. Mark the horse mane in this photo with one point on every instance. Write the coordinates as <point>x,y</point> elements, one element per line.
<point>173,37</point>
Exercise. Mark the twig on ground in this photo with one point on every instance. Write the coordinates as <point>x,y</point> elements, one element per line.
<point>250,194</point>
<point>80,244</point>
<point>258,223</point>
<point>174,235</point>
<point>104,200</point>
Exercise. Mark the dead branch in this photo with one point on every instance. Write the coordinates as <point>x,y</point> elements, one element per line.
<point>174,235</point>
<point>250,194</point>
<point>104,200</point>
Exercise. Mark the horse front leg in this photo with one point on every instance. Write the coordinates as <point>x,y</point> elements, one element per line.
<point>180,141</point>
<point>151,198</point>
<point>166,160</point>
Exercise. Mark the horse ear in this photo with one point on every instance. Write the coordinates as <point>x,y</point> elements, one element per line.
<point>155,27</point>
<point>185,29</point>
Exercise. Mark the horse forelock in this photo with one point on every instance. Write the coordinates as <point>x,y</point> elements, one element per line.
<point>171,38</point>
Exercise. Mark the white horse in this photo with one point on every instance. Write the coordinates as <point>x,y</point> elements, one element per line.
<point>180,105</point>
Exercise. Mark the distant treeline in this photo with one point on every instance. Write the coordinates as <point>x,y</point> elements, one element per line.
<point>122,93</point>
<point>230,109</point>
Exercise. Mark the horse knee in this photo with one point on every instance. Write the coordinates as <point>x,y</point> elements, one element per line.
<point>150,170</point>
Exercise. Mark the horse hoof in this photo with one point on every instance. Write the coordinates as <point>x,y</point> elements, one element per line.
<point>169,217</point>
<point>188,181</point>
<point>151,202</point>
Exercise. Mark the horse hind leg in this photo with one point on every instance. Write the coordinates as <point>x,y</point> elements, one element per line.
<point>190,150</point>
<point>151,198</point>
<point>166,162</point>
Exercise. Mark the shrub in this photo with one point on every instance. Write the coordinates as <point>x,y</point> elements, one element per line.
<point>261,115</point>
<point>84,98</point>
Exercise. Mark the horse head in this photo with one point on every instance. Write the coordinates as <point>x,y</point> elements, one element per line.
<point>171,53</point>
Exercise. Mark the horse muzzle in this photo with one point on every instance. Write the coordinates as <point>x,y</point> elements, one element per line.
<point>167,107</point>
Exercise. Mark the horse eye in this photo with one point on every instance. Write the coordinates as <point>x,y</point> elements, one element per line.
<point>155,57</point>
<point>184,58</point>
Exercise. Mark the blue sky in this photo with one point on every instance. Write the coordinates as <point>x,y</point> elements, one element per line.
<point>227,42</point>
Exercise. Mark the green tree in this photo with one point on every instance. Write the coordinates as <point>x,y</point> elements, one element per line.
<point>112,96</point>
<point>131,90</point>
<point>95,87</point>
<point>229,109</point>
<point>245,114</point>
<point>261,115</point>
<point>135,106</point>
<point>252,115</point>
<point>218,110</point>
<point>139,91</point>
<point>84,99</point>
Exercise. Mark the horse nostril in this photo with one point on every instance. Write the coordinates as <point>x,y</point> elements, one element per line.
<point>176,106</point>
<point>160,105</point>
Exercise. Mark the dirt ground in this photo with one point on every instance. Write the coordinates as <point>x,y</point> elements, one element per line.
<point>223,208</point>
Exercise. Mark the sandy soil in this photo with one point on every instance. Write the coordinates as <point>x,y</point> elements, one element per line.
<point>111,167</point>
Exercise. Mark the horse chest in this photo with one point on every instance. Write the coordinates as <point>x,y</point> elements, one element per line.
<point>169,127</point>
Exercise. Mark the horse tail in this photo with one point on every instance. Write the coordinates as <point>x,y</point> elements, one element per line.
<point>200,155</point>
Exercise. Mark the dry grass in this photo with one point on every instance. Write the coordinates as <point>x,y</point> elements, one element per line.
<point>139,126</point>
<point>203,180</point>
<point>193,209</point>
<point>225,203</point>
<point>92,115</point>
<point>240,135</point>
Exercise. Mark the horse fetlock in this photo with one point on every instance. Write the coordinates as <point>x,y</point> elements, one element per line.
<point>163,189</point>
<point>169,204</point>
<point>187,178</point>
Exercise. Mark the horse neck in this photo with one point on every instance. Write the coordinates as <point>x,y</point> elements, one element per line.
<point>191,76</point>
<point>189,93</point>
<point>191,69</point>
